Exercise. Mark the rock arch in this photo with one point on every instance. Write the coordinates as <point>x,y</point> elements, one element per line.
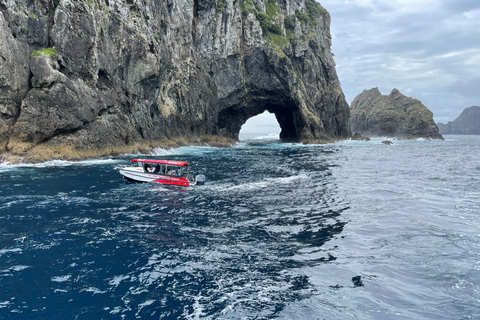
<point>185,76</point>
<point>263,80</point>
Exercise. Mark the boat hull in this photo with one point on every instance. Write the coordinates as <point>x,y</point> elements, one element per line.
<point>138,175</point>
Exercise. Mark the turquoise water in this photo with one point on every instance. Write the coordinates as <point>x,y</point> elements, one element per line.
<point>351,230</point>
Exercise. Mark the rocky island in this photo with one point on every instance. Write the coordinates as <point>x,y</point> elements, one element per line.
<point>393,116</point>
<point>468,122</point>
<point>93,78</point>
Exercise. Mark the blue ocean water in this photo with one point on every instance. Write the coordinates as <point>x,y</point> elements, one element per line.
<point>350,230</point>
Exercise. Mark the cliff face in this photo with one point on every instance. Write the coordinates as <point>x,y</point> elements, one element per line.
<point>89,78</point>
<point>468,122</point>
<point>395,116</point>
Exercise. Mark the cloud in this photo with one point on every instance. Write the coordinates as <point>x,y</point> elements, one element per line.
<point>467,88</point>
<point>428,49</point>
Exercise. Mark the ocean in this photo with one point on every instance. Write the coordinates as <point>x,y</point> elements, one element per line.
<point>348,230</point>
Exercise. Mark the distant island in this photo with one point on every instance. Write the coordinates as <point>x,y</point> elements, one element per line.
<point>393,116</point>
<point>468,122</point>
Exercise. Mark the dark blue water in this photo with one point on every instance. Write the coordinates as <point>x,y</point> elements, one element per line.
<point>353,230</point>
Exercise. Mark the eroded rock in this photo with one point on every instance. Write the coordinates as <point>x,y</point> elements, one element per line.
<point>393,115</point>
<point>114,76</point>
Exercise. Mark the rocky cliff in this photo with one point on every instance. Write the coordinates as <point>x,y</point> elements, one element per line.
<point>97,77</point>
<point>393,115</point>
<point>468,122</point>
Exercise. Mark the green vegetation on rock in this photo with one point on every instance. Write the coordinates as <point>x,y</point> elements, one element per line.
<point>271,17</point>
<point>314,10</point>
<point>46,52</point>
<point>267,24</point>
<point>289,24</point>
<point>220,5</point>
<point>246,7</point>
<point>272,9</point>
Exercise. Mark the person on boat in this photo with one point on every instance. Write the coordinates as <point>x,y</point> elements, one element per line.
<point>148,168</point>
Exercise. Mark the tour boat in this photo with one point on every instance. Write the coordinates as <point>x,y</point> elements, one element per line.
<point>160,171</point>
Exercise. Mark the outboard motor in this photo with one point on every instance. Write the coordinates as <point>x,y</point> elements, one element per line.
<point>200,179</point>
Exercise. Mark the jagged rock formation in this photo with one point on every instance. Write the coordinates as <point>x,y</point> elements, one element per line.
<point>468,122</point>
<point>97,77</point>
<point>358,137</point>
<point>395,116</point>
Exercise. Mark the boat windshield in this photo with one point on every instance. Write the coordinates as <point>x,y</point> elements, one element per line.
<point>174,170</point>
<point>167,169</point>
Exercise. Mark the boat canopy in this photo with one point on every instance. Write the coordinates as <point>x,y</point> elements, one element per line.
<point>167,162</point>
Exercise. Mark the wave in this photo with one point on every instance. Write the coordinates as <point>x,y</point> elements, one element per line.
<point>379,140</point>
<point>4,166</point>
<point>183,150</point>
<point>259,184</point>
<point>257,136</point>
<point>270,136</point>
<point>4,251</point>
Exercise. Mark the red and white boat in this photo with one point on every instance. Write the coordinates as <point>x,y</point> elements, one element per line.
<point>160,171</point>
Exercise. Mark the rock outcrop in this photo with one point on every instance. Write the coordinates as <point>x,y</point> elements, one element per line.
<point>468,122</point>
<point>98,77</point>
<point>358,137</point>
<point>393,115</point>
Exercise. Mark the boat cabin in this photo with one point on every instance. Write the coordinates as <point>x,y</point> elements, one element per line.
<point>162,167</point>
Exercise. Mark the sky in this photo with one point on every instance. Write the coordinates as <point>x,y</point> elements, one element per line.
<point>427,49</point>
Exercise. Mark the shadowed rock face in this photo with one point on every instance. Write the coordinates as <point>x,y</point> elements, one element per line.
<point>393,115</point>
<point>468,122</point>
<point>90,78</point>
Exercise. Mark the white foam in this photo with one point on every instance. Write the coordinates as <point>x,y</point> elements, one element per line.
<point>116,280</point>
<point>163,152</point>
<point>270,136</point>
<point>19,268</point>
<point>144,226</point>
<point>116,310</point>
<point>379,140</point>
<point>93,290</point>
<point>182,150</point>
<point>143,305</point>
<point>58,163</point>
<point>3,251</point>
<point>197,310</point>
<point>61,278</point>
<point>267,182</point>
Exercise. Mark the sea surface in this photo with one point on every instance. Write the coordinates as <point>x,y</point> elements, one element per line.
<point>350,230</point>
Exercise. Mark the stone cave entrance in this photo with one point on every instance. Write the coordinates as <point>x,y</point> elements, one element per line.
<point>231,119</point>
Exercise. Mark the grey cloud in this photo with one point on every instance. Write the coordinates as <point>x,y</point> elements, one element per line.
<point>468,88</point>
<point>431,54</point>
<point>460,5</point>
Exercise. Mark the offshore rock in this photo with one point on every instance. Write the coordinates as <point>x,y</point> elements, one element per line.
<point>393,116</point>
<point>468,122</point>
<point>358,137</point>
<point>93,78</point>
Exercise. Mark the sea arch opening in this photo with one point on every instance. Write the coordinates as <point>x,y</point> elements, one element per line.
<point>287,115</point>
<point>262,125</point>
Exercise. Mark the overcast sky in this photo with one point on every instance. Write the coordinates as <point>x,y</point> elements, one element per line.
<point>427,49</point>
